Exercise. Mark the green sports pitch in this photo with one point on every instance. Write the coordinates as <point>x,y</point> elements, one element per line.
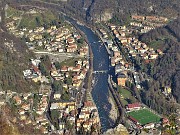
<point>144,116</point>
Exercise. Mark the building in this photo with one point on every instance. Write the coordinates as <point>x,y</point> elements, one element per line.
<point>149,125</point>
<point>121,79</point>
<point>138,17</point>
<point>134,106</point>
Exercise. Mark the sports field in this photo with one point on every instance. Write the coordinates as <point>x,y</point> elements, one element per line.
<point>144,116</point>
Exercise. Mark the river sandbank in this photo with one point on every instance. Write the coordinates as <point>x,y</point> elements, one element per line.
<point>113,114</point>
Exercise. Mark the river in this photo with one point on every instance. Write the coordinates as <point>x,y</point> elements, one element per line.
<point>100,87</point>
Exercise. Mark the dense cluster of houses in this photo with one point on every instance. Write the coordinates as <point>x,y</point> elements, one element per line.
<point>67,112</point>
<point>135,47</point>
<point>31,108</point>
<point>147,23</point>
<point>33,73</point>
<point>63,39</point>
<point>83,118</point>
<point>88,116</point>
<point>78,71</point>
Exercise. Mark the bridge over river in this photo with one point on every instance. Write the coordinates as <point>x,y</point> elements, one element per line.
<point>100,71</point>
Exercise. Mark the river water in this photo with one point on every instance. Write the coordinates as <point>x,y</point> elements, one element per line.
<point>100,91</point>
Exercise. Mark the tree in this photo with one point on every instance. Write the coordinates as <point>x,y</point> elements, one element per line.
<point>81,40</point>
<point>68,81</point>
<point>65,96</point>
<point>57,65</point>
<point>54,114</point>
<point>38,23</point>
<point>128,84</point>
<point>43,69</point>
<point>57,86</point>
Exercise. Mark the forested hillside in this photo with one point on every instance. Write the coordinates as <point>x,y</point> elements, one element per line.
<point>166,69</point>
<point>13,60</point>
<point>103,10</point>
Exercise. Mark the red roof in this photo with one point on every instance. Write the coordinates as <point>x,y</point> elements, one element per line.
<point>165,120</point>
<point>133,119</point>
<point>134,105</point>
<point>88,103</point>
<point>35,68</point>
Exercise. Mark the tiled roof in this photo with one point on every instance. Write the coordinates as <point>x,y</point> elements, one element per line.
<point>134,105</point>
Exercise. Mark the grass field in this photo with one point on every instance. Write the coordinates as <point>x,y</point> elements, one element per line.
<point>144,116</point>
<point>126,96</point>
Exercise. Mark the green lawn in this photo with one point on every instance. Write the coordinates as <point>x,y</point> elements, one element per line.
<point>70,62</point>
<point>156,44</point>
<point>144,116</point>
<point>126,96</point>
<point>13,12</point>
<point>34,20</point>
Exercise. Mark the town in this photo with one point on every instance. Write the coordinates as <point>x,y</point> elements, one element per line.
<point>125,51</point>
<point>63,103</point>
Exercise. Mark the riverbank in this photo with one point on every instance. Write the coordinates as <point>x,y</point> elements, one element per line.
<point>113,114</point>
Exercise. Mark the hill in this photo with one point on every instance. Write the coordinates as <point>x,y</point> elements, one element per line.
<point>14,58</point>
<point>166,69</point>
<point>104,10</point>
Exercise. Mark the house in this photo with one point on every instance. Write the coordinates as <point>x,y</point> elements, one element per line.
<point>121,79</point>
<point>70,68</point>
<point>112,27</point>
<point>136,24</point>
<point>77,68</point>
<point>36,70</point>
<point>36,78</point>
<point>152,18</point>
<point>83,51</point>
<point>61,125</point>
<point>109,43</point>
<point>133,120</point>
<point>17,99</point>
<point>167,90</point>
<point>25,106</point>
<point>60,50</point>
<point>64,69</point>
<point>141,50</point>
<point>133,54</point>
<point>21,111</point>
<point>117,54</point>
<point>27,73</point>
<point>119,68</point>
<point>87,126</point>
<point>165,122</point>
<point>116,33</point>
<point>159,51</point>
<point>153,56</point>
<point>71,49</point>
<point>134,106</point>
<point>77,83</point>
<point>57,95</point>
<point>112,61</point>
<point>40,111</point>
<point>149,126</point>
<point>138,17</point>
<point>54,106</point>
<point>70,40</point>
<point>123,40</point>
<point>163,19</point>
<point>23,117</point>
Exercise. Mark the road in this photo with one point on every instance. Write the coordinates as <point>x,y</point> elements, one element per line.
<point>54,56</point>
<point>116,96</point>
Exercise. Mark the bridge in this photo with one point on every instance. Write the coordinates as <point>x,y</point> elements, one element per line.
<point>100,71</point>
